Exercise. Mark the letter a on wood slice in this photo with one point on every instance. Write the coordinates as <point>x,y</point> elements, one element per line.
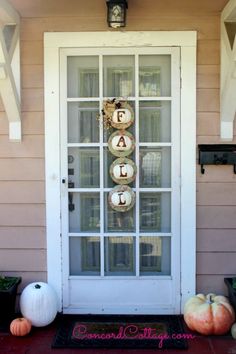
<point>121,143</point>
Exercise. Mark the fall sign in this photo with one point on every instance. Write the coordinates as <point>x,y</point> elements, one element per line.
<point>120,144</point>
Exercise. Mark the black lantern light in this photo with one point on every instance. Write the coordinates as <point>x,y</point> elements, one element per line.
<point>116,13</point>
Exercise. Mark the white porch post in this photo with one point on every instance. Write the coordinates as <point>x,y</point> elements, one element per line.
<point>228,71</point>
<point>10,67</point>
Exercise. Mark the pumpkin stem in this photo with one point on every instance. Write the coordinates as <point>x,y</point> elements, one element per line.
<point>37,286</point>
<point>209,299</point>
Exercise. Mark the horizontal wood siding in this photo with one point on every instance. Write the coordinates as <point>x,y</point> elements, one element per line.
<point>22,178</point>
<point>220,194</point>
<point>22,185</point>
<point>216,189</point>
<point>22,258</point>
<point>22,192</point>
<point>208,282</point>
<point>216,240</point>
<point>25,237</point>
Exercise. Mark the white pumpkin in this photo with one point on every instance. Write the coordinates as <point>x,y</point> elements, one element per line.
<point>38,303</point>
<point>233,330</point>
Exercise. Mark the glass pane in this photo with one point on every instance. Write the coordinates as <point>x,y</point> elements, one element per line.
<point>155,167</point>
<point>154,75</point>
<point>84,212</point>
<point>83,76</point>
<point>154,255</point>
<point>118,76</point>
<point>119,256</point>
<point>84,256</point>
<point>155,212</point>
<point>83,125</point>
<point>108,160</point>
<point>118,221</point>
<point>83,167</point>
<point>155,121</point>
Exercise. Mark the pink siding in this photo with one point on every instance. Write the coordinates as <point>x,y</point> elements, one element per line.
<point>22,188</point>
<point>22,178</point>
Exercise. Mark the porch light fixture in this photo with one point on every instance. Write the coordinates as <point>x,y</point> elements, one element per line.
<point>116,13</point>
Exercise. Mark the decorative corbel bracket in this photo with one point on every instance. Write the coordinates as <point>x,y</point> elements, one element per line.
<point>228,70</point>
<point>10,68</point>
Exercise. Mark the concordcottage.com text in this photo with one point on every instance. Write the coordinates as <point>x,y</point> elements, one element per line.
<point>132,331</point>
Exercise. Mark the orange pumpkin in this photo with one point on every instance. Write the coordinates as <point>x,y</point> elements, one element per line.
<point>20,327</point>
<point>210,314</point>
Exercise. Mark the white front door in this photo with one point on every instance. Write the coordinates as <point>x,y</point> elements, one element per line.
<point>120,262</point>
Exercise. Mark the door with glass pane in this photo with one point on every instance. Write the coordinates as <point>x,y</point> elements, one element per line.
<point>120,262</point>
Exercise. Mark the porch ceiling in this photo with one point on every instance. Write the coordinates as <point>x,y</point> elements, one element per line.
<point>42,8</point>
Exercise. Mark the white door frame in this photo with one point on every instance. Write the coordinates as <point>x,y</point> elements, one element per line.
<point>163,294</point>
<point>186,40</point>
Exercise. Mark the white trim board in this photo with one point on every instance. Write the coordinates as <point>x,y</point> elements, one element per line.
<point>186,40</point>
<point>120,39</point>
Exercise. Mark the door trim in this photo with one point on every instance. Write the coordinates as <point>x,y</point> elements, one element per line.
<point>186,40</point>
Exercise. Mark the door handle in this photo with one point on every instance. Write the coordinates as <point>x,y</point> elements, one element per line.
<point>71,205</point>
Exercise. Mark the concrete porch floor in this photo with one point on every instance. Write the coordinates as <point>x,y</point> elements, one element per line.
<point>40,339</point>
